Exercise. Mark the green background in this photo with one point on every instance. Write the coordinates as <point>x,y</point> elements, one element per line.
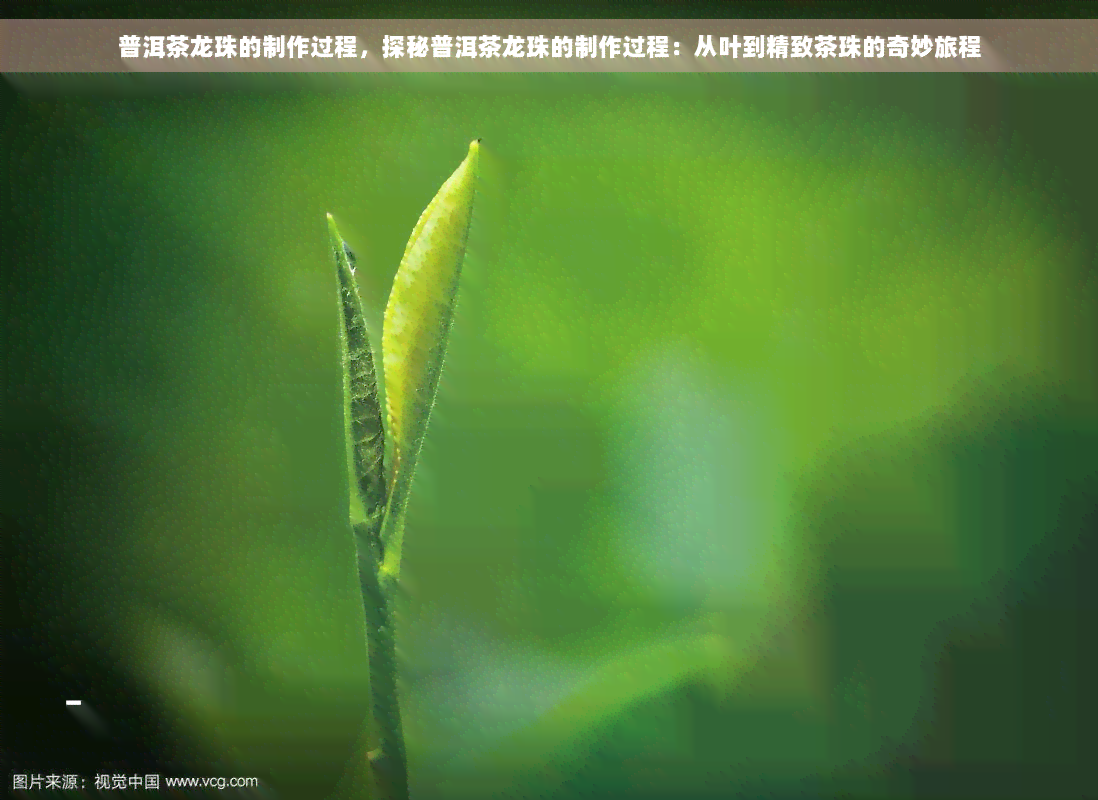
<point>762,460</point>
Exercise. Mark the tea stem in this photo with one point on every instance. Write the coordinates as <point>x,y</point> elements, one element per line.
<point>389,761</point>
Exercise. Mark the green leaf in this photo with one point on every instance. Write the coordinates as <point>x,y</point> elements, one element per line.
<point>416,330</point>
<point>367,436</point>
<point>548,749</point>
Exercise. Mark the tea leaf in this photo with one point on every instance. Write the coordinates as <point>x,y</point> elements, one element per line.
<point>416,331</point>
<point>360,380</point>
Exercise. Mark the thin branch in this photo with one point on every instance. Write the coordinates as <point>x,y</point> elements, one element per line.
<point>389,761</point>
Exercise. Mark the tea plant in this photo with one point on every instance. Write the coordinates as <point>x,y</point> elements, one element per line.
<point>413,345</point>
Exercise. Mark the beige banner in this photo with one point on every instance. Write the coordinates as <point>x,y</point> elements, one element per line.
<point>496,45</point>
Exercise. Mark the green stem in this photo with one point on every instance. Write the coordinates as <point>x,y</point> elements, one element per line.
<point>389,762</point>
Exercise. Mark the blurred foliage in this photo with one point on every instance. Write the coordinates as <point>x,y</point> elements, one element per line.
<point>761,461</point>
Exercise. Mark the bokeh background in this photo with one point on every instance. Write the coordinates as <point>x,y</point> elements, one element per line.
<point>764,459</point>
